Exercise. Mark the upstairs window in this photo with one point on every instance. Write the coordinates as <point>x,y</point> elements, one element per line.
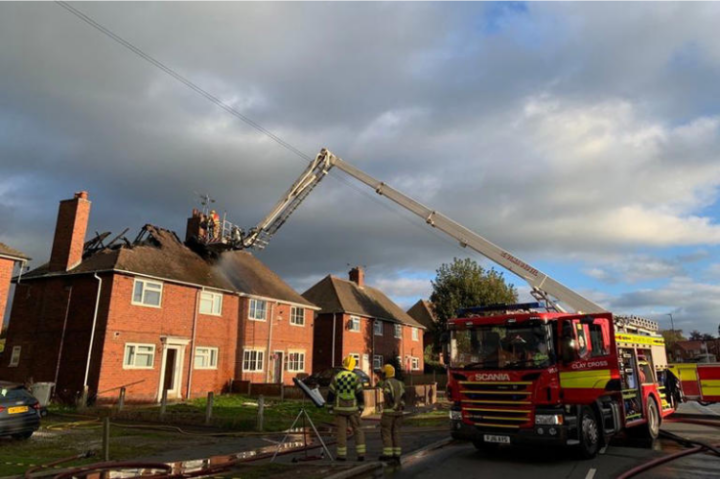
<point>415,335</point>
<point>147,293</point>
<point>378,327</point>
<point>258,310</point>
<point>398,330</point>
<point>353,324</point>
<point>297,316</point>
<point>211,303</point>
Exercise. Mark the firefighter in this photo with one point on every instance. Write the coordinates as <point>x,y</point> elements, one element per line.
<point>345,398</point>
<point>391,420</point>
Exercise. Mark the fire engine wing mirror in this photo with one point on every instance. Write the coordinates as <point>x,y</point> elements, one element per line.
<point>444,347</point>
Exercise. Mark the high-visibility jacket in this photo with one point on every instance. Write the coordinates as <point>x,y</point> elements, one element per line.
<point>393,396</point>
<point>346,392</point>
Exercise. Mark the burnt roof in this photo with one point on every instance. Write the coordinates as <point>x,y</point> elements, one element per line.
<point>5,250</point>
<point>161,254</point>
<point>423,313</point>
<point>335,295</point>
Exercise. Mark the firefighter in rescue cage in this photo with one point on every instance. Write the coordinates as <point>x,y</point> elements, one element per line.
<point>346,401</point>
<point>392,413</point>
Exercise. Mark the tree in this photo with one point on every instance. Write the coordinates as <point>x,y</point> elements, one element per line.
<point>695,335</point>
<point>463,284</point>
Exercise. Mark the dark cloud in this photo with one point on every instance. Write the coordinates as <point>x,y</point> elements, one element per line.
<point>560,131</point>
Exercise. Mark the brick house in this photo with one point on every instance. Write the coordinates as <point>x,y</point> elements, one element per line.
<point>9,257</point>
<point>423,313</point>
<point>691,351</point>
<point>356,319</point>
<point>158,315</point>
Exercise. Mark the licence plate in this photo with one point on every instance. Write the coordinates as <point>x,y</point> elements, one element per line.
<point>17,410</point>
<point>496,439</point>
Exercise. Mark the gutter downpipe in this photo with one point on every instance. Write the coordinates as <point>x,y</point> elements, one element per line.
<point>92,338</point>
<point>269,343</point>
<point>192,343</point>
<point>332,363</point>
<point>62,335</point>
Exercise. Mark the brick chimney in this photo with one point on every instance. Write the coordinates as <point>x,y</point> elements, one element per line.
<point>194,227</point>
<point>357,276</point>
<point>72,222</point>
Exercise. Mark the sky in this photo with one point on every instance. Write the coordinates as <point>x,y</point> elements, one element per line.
<point>582,137</point>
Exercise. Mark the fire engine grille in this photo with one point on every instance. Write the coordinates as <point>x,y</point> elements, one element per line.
<point>502,405</point>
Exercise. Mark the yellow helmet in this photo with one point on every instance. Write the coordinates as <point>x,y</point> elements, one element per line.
<point>388,371</point>
<point>349,363</point>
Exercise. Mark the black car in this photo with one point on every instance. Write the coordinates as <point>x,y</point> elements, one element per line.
<point>324,378</point>
<point>19,411</point>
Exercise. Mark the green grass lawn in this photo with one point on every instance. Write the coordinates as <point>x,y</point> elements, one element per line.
<point>235,412</point>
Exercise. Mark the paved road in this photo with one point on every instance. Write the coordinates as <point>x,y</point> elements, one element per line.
<point>461,460</point>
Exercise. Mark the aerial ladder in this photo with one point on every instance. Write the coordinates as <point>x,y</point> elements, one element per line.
<point>555,295</point>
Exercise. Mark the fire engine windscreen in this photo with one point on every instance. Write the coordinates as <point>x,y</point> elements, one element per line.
<point>526,345</point>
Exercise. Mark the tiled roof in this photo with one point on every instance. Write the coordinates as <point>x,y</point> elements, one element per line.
<point>423,313</point>
<point>163,255</point>
<point>335,295</point>
<point>5,250</point>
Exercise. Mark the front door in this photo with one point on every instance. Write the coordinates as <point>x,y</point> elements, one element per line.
<point>171,373</point>
<point>169,379</point>
<point>366,364</point>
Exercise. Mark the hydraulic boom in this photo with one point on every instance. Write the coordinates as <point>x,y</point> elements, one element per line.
<point>544,287</point>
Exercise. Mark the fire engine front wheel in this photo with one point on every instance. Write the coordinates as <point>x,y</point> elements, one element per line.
<point>589,434</point>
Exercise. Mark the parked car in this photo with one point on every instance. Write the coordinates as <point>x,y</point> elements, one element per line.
<point>19,411</point>
<point>324,378</point>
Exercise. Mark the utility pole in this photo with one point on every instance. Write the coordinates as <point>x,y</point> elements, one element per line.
<point>672,323</point>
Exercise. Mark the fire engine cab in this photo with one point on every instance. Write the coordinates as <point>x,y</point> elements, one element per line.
<point>518,374</point>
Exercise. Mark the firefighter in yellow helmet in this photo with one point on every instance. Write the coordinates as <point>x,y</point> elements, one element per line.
<point>345,397</point>
<point>391,421</point>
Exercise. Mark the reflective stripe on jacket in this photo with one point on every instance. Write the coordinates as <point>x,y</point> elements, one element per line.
<point>393,394</point>
<point>345,387</point>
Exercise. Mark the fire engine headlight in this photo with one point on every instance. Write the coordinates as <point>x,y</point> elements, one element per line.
<point>549,419</point>
<point>455,415</point>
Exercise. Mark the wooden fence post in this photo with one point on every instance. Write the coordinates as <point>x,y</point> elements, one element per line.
<point>209,407</point>
<point>261,413</point>
<point>106,439</point>
<point>121,399</point>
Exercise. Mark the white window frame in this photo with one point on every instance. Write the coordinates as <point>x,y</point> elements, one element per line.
<point>216,299</point>
<point>294,316</point>
<point>354,320</point>
<point>415,363</point>
<point>254,302</point>
<point>298,364</point>
<point>375,327</point>
<point>415,334</point>
<point>381,359</point>
<point>126,355</point>
<point>210,353</point>
<point>259,359</point>
<point>357,359</point>
<point>397,331</point>
<point>146,283</point>
<point>15,357</point>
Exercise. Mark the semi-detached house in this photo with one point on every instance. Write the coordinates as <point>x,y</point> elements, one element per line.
<point>361,321</point>
<point>152,315</point>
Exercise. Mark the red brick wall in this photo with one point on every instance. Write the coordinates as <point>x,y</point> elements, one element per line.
<point>6,270</point>
<point>38,325</point>
<point>286,337</point>
<point>361,342</point>
<point>72,221</point>
<point>129,323</point>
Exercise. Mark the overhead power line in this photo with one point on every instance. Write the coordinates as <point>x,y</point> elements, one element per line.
<point>209,96</point>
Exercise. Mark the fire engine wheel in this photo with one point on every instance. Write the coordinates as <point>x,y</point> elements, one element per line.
<point>589,434</point>
<point>653,416</point>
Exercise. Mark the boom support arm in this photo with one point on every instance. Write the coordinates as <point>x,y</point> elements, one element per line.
<point>541,283</point>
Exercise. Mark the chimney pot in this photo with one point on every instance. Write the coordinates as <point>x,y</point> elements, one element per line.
<point>357,276</point>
